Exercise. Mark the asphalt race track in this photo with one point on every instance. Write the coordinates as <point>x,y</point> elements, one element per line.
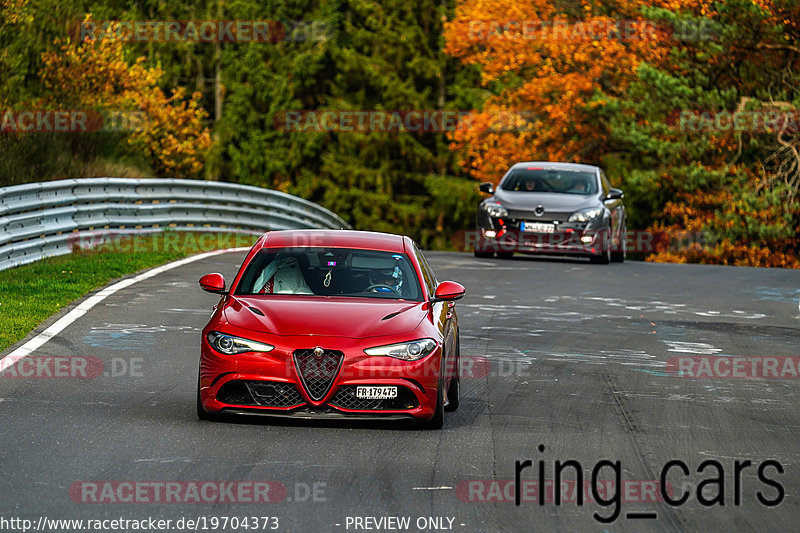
<point>558,353</point>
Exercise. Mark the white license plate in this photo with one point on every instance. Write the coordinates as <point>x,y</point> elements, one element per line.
<point>376,393</point>
<point>537,227</point>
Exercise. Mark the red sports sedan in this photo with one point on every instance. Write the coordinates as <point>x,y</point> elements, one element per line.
<point>331,324</point>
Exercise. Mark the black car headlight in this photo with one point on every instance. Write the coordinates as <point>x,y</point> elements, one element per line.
<point>230,345</point>
<point>586,215</point>
<point>408,351</point>
<point>495,210</point>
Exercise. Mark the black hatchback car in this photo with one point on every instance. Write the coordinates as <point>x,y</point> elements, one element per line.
<point>552,208</point>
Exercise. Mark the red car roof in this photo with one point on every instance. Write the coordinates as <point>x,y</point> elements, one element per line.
<point>333,239</point>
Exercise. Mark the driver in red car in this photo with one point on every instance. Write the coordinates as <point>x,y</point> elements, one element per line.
<point>386,280</point>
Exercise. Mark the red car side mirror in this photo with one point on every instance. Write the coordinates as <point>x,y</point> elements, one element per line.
<point>448,291</point>
<point>213,283</point>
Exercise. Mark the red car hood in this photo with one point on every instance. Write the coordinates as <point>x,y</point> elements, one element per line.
<point>324,316</point>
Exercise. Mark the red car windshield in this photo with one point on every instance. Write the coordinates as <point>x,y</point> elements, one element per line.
<point>331,272</point>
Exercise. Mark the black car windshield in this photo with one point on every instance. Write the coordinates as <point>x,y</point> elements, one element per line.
<point>551,180</point>
<point>331,272</point>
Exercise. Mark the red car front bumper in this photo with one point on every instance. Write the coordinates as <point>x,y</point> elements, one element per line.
<point>277,383</point>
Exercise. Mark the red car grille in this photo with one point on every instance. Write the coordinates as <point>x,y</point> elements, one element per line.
<point>317,370</point>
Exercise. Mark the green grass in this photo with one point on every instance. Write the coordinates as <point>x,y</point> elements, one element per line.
<point>29,294</point>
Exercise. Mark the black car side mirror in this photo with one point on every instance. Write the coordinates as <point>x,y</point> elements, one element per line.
<point>486,187</point>
<point>615,194</point>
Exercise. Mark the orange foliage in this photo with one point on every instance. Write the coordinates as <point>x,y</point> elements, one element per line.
<point>720,215</point>
<point>696,7</point>
<point>552,69</point>
<point>728,253</point>
<point>96,75</point>
<point>743,222</point>
<point>12,11</point>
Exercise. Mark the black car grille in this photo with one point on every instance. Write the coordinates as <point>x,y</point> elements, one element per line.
<point>274,394</point>
<point>532,239</point>
<point>263,393</point>
<point>547,216</point>
<point>317,371</point>
<point>345,398</point>
<point>236,393</point>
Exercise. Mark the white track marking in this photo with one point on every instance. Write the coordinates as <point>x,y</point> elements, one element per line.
<point>658,306</point>
<point>59,325</point>
<point>691,347</point>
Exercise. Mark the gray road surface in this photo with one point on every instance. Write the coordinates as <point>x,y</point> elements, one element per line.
<point>563,354</point>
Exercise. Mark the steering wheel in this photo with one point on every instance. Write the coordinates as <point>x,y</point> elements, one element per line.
<point>382,286</point>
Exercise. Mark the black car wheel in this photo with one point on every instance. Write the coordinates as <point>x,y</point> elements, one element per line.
<point>484,255</point>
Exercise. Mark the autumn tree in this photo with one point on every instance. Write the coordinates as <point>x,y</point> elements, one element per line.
<point>700,169</point>
<point>96,74</point>
<point>550,68</point>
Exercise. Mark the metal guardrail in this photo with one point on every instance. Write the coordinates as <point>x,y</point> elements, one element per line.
<point>39,220</point>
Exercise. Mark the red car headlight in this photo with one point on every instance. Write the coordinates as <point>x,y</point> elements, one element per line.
<point>408,351</point>
<point>230,345</point>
